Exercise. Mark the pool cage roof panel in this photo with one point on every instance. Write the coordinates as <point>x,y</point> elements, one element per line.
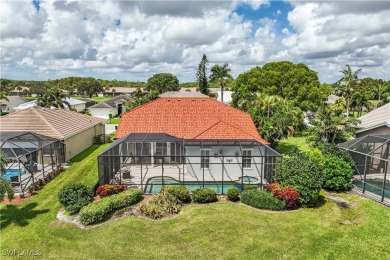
<point>115,148</point>
<point>17,144</point>
<point>362,145</point>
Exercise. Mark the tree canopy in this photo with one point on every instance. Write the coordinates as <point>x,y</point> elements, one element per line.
<point>295,82</point>
<point>162,82</point>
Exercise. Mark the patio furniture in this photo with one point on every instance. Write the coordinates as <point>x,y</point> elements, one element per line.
<point>14,180</point>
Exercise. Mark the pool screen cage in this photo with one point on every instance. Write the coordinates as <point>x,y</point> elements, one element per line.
<point>151,161</point>
<point>371,158</point>
<point>30,157</point>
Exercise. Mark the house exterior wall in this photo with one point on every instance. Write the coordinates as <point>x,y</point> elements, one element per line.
<point>78,107</point>
<point>81,141</point>
<point>232,163</point>
<point>383,130</point>
<point>103,112</point>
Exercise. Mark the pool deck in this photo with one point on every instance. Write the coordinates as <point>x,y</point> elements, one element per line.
<point>134,175</point>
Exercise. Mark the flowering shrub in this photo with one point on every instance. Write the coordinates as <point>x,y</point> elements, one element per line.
<point>287,194</point>
<point>108,190</point>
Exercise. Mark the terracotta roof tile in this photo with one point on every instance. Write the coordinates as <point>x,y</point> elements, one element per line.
<point>190,118</point>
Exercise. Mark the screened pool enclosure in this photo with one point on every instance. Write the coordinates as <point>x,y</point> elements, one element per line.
<point>30,157</point>
<point>371,157</point>
<point>151,161</point>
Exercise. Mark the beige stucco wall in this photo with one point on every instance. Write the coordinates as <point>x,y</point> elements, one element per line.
<point>81,141</point>
<point>383,130</point>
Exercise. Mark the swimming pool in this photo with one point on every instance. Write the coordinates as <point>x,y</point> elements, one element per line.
<point>248,179</point>
<point>374,186</point>
<point>154,185</point>
<point>12,173</point>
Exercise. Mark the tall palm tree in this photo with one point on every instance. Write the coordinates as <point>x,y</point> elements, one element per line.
<point>220,74</point>
<point>360,100</point>
<point>380,89</point>
<point>3,95</point>
<point>53,98</point>
<point>350,79</point>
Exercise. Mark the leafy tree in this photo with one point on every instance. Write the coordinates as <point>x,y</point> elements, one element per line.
<point>294,82</point>
<point>331,124</point>
<point>53,98</point>
<point>5,186</point>
<point>3,95</point>
<point>89,86</point>
<point>350,80</point>
<point>220,74</point>
<point>162,82</point>
<point>139,99</point>
<point>337,173</point>
<point>275,117</point>
<point>201,76</point>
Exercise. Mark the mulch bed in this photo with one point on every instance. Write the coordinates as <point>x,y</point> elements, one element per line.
<point>17,199</point>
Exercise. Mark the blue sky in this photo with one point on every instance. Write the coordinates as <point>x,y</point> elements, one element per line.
<point>132,40</point>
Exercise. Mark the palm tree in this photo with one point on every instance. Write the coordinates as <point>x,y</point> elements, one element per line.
<point>350,79</point>
<point>359,100</point>
<point>53,98</point>
<point>220,74</point>
<point>3,95</point>
<point>380,89</point>
<point>19,89</point>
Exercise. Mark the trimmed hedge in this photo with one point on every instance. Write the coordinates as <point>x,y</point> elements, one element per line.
<point>204,195</point>
<point>251,187</point>
<point>102,209</point>
<point>181,193</point>
<point>262,200</point>
<point>74,197</point>
<point>233,194</point>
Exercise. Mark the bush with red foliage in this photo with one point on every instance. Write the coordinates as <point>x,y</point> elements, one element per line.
<point>287,194</point>
<point>108,190</point>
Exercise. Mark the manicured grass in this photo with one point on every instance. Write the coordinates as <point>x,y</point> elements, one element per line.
<point>96,99</point>
<point>219,230</point>
<point>286,145</point>
<point>113,121</point>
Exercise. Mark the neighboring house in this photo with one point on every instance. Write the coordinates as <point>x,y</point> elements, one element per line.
<point>112,106</point>
<point>227,96</point>
<point>76,104</point>
<point>332,99</point>
<point>16,92</point>
<point>193,141</point>
<point>376,122</point>
<point>76,130</point>
<point>118,91</point>
<point>8,106</point>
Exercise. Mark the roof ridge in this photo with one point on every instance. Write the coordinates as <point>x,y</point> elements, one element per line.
<point>203,128</point>
<point>44,119</point>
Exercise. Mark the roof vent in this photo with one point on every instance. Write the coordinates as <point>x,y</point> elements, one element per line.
<point>169,99</point>
<point>178,99</point>
<point>193,99</point>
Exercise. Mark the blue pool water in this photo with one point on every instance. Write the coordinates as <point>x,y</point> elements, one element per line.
<point>155,184</point>
<point>11,173</point>
<point>248,179</point>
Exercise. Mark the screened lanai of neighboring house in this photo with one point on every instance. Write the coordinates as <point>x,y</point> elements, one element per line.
<point>150,161</point>
<point>30,157</point>
<point>371,156</point>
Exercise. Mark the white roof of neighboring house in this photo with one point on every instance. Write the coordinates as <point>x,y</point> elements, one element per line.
<point>332,99</point>
<point>11,99</point>
<point>71,101</point>
<point>227,96</point>
<point>376,118</point>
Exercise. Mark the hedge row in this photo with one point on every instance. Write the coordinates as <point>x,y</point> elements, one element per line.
<point>262,200</point>
<point>102,210</point>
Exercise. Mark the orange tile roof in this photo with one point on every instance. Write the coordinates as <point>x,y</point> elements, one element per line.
<point>189,118</point>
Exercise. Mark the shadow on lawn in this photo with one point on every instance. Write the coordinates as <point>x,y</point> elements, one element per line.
<point>13,214</point>
<point>84,154</point>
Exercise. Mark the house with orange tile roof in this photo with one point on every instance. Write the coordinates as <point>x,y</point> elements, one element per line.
<point>187,140</point>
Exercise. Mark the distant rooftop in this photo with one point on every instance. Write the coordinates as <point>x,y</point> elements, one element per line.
<point>177,94</point>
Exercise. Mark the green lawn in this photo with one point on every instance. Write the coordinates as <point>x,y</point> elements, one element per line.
<point>220,230</point>
<point>94,98</point>
<point>286,145</point>
<point>113,121</point>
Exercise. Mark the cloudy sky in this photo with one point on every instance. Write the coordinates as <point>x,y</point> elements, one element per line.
<point>132,40</point>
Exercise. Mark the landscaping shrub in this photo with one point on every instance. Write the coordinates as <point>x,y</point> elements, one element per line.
<point>181,193</point>
<point>74,197</point>
<point>251,187</point>
<point>204,195</point>
<point>103,209</point>
<point>108,190</point>
<point>337,173</point>
<point>303,174</point>
<point>160,205</point>
<point>233,194</point>
<point>262,200</point>
<point>337,151</point>
<point>38,184</point>
<point>287,194</point>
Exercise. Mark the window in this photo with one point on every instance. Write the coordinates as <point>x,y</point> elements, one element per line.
<point>205,159</point>
<point>247,159</point>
